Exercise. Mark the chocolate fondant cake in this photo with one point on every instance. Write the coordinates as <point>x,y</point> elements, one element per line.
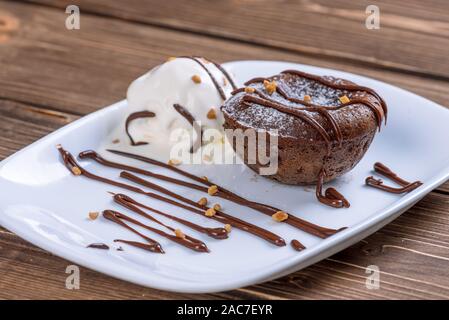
<point>324,124</point>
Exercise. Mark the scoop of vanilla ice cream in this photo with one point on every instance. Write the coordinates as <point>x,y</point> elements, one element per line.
<point>180,81</point>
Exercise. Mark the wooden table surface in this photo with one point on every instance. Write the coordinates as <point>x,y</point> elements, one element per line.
<point>50,76</point>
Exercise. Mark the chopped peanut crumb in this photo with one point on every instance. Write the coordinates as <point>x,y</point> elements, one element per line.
<point>212,190</point>
<point>270,86</point>
<point>93,215</point>
<point>115,141</point>
<point>280,216</point>
<point>211,114</point>
<point>225,81</point>
<point>202,201</point>
<point>210,212</point>
<point>174,162</point>
<point>228,228</point>
<point>171,58</point>
<point>196,78</point>
<point>307,98</point>
<point>249,90</point>
<point>217,207</point>
<point>207,158</point>
<point>344,99</point>
<point>76,171</point>
<point>204,178</point>
<point>179,234</point>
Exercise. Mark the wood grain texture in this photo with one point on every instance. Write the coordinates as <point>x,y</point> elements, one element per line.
<point>50,76</point>
<point>413,36</point>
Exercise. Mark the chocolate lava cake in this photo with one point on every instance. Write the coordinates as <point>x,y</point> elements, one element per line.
<point>325,124</point>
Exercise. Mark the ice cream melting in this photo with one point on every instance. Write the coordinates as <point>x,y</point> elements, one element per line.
<point>197,85</point>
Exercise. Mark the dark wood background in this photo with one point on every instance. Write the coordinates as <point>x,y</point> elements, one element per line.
<point>50,76</point>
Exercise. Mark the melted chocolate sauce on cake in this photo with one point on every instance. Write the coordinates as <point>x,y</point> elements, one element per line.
<point>331,197</point>
<point>222,192</point>
<point>386,172</point>
<point>71,164</point>
<point>135,116</point>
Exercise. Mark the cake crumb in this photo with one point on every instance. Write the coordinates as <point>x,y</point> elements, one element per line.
<point>228,228</point>
<point>280,216</point>
<point>174,162</point>
<point>249,90</point>
<point>196,78</point>
<point>270,86</point>
<point>210,212</point>
<point>76,171</point>
<point>179,234</point>
<point>344,99</point>
<point>202,201</point>
<point>211,114</point>
<point>93,215</point>
<point>212,190</point>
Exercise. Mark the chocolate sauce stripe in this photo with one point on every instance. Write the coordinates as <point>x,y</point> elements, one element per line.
<point>217,233</point>
<point>137,244</point>
<point>189,117</point>
<point>135,116</point>
<point>304,225</point>
<point>388,173</point>
<point>193,244</point>
<point>109,215</point>
<point>267,235</point>
<point>70,163</point>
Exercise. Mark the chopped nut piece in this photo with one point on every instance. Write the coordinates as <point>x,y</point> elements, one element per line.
<point>228,228</point>
<point>217,207</point>
<point>270,86</point>
<point>212,190</point>
<point>76,171</point>
<point>210,212</point>
<point>204,178</point>
<point>207,158</point>
<point>196,78</point>
<point>174,162</point>
<point>225,81</point>
<point>93,215</point>
<point>115,141</point>
<point>344,99</point>
<point>211,114</point>
<point>249,90</point>
<point>280,216</point>
<point>202,201</point>
<point>179,234</point>
<point>307,98</point>
<point>171,58</point>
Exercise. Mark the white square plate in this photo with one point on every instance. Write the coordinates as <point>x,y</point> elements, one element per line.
<point>46,205</point>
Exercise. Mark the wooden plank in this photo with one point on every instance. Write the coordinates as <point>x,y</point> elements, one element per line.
<point>88,68</point>
<point>412,36</point>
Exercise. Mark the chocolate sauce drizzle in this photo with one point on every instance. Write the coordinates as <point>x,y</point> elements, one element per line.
<point>98,246</point>
<point>386,172</point>
<point>187,241</point>
<point>70,163</point>
<point>117,217</point>
<point>222,192</point>
<point>130,203</point>
<point>135,116</point>
<point>141,245</point>
<point>332,197</point>
<point>189,117</point>
<point>298,246</point>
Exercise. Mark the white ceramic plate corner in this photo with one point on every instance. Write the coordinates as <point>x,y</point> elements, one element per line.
<point>41,202</point>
